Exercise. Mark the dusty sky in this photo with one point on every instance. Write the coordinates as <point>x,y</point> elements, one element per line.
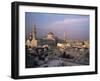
<point>75,26</point>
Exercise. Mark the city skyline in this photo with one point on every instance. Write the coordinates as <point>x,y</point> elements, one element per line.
<point>75,26</point>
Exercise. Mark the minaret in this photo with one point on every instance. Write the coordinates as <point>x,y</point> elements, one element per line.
<point>34,32</point>
<point>34,41</point>
<point>64,36</point>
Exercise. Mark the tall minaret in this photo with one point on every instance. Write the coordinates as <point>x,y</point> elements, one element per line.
<point>34,32</point>
<point>64,36</point>
<point>34,41</point>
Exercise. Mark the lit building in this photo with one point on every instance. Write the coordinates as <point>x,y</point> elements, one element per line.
<point>50,36</point>
<point>31,41</point>
<point>50,40</point>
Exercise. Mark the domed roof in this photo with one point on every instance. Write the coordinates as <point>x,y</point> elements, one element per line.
<point>50,33</point>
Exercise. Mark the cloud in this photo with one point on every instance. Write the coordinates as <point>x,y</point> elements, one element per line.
<point>70,21</point>
<point>75,27</point>
<point>68,24</point>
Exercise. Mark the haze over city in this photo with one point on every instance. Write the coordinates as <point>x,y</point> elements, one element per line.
<point>54,40</point>
<point>75,26</point>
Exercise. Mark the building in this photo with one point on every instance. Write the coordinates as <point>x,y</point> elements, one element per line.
<point>50,36</point>
<point>50,40</point>
<point>32,41</point>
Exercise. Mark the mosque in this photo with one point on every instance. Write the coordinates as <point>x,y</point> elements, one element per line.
<point>32,41</point>
<point>50,39</point>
